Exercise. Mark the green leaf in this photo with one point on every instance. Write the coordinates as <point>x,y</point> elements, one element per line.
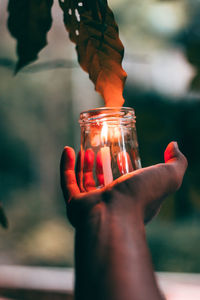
<point>3,218</point>
<point>92,27</point>
<point>29,21</point>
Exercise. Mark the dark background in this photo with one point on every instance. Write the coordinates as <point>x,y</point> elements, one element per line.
<point>39,111</point>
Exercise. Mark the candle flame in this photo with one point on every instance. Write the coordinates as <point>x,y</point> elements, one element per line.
<point>117,133</point>
<point>104,133</point>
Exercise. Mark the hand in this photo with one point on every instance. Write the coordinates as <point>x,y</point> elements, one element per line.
<point>140,192</point>
<point>111,254</point>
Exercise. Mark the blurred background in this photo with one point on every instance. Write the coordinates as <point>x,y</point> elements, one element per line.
<point>39,112</point>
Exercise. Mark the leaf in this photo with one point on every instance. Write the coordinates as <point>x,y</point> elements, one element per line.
<point>29,21</point>
<point>3,218</point>
<point>92,27</point>
<point>189,38</point>
<point>195,82</point>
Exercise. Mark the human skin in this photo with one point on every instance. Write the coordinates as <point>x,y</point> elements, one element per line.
<point>112,260</point>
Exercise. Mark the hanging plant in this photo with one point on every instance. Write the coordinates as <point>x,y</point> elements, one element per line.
<point>91,26</point>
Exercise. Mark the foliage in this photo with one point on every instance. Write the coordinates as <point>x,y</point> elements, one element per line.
<point>29,22</point>
<point>91,27</point>
<point>38,118</point>
<point>175,246</point>
<point>14,168</point>
<point>178,121</point>
<point>35,209</point>
<point>190,39</point>
<point>3,218</point>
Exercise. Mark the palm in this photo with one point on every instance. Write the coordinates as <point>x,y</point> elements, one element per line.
<point>144,188</point>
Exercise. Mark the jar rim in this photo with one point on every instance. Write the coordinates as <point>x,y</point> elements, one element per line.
<point>107,108</point>
<point>110,114</point>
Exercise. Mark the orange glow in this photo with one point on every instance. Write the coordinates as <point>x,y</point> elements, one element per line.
<point>105,156</point>
<point>117,133</point>
<point>104,133</point>
<point>112,133</point>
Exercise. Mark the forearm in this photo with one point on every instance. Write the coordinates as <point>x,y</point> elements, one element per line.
<point>112,257</point>
<point>113,261</point>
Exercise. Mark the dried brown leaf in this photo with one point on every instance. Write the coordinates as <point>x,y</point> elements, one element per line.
<point>92,27</point>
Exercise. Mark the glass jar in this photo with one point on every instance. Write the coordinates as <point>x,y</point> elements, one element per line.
<point>109,146</point>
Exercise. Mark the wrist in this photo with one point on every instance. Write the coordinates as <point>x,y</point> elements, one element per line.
<point>112,257</point>
<point>106,225</point>
<point>109,246</point>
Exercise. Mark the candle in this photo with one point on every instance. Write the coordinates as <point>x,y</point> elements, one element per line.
<point>111,134</point>
<point>105,156</point>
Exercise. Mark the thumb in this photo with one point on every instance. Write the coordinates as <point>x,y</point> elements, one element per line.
<point>174,157</point>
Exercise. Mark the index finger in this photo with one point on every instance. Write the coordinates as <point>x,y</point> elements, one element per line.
<point>67,174</point>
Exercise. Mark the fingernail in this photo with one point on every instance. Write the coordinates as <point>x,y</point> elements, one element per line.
<point>68,158</point>
<point>176,145</point>
<point>69,153</point>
